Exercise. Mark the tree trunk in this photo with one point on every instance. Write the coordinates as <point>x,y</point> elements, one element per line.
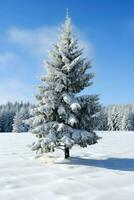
<point>66,151</point>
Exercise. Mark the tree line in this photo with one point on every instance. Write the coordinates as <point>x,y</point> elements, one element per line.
<point>113,117</point>
<point>116,118</point>
<point>12,116</point>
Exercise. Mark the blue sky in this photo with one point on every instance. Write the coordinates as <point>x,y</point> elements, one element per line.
<point>104,27</point>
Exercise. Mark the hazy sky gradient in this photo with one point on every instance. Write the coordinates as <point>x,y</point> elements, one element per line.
<point>28,28</point>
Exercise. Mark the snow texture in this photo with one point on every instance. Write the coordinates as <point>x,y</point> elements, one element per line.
<point>101,172</point>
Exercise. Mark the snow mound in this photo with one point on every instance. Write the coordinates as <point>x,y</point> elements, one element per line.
<point>52,159</point>
<point>48,159</point>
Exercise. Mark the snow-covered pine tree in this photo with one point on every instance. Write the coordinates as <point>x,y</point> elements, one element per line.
<point>89,115</point>
<point>113,113</point>
<point>19,119</point>
<point>102,121</point>
<point>17,122</point>
<point>54,120</point>
<point>8,117</point>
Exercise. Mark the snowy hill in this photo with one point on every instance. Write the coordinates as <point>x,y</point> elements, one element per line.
<point>99,172</point>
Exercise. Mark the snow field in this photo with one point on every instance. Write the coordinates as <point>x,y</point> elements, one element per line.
<point>100,172</point>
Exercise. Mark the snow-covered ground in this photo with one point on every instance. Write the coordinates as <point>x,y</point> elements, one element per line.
<point>104,171</point>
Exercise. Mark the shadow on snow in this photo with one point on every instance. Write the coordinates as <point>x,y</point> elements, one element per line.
<point>123,164</point>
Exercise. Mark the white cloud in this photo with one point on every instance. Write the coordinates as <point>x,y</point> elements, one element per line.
<point>36,43</point>
<point>8,59</point>
<point>40,40</point>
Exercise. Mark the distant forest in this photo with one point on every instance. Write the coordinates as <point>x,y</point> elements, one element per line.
<point>116,118</point>
<point>12,116</point>
<point>113,117</point>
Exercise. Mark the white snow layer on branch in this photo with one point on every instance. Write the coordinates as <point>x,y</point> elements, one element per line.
<point>67,99</point>
<point>72,120</point>
<point>50,140</point>
<point>82,135</point>
<point>45,127</point>
<point>64,58</point>
<point>52,135</point>
<point>67,141</point>
<point>75,106</point>
<point>68,66</point>
<point>60,127</point>
<point>61,110</point>
<point>46,109</point>
<point>37,120</point>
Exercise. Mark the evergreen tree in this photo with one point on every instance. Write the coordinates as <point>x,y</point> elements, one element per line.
<point>19,120</point>
<point>117,117</point>
<point>128,122</point>
<point>9,115</point>
<point>56,119</point>
<point>113,118</point>
<point>17,123</point>
<point>8,112</point>
<point>102,122</point>
<point>89,113</point>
